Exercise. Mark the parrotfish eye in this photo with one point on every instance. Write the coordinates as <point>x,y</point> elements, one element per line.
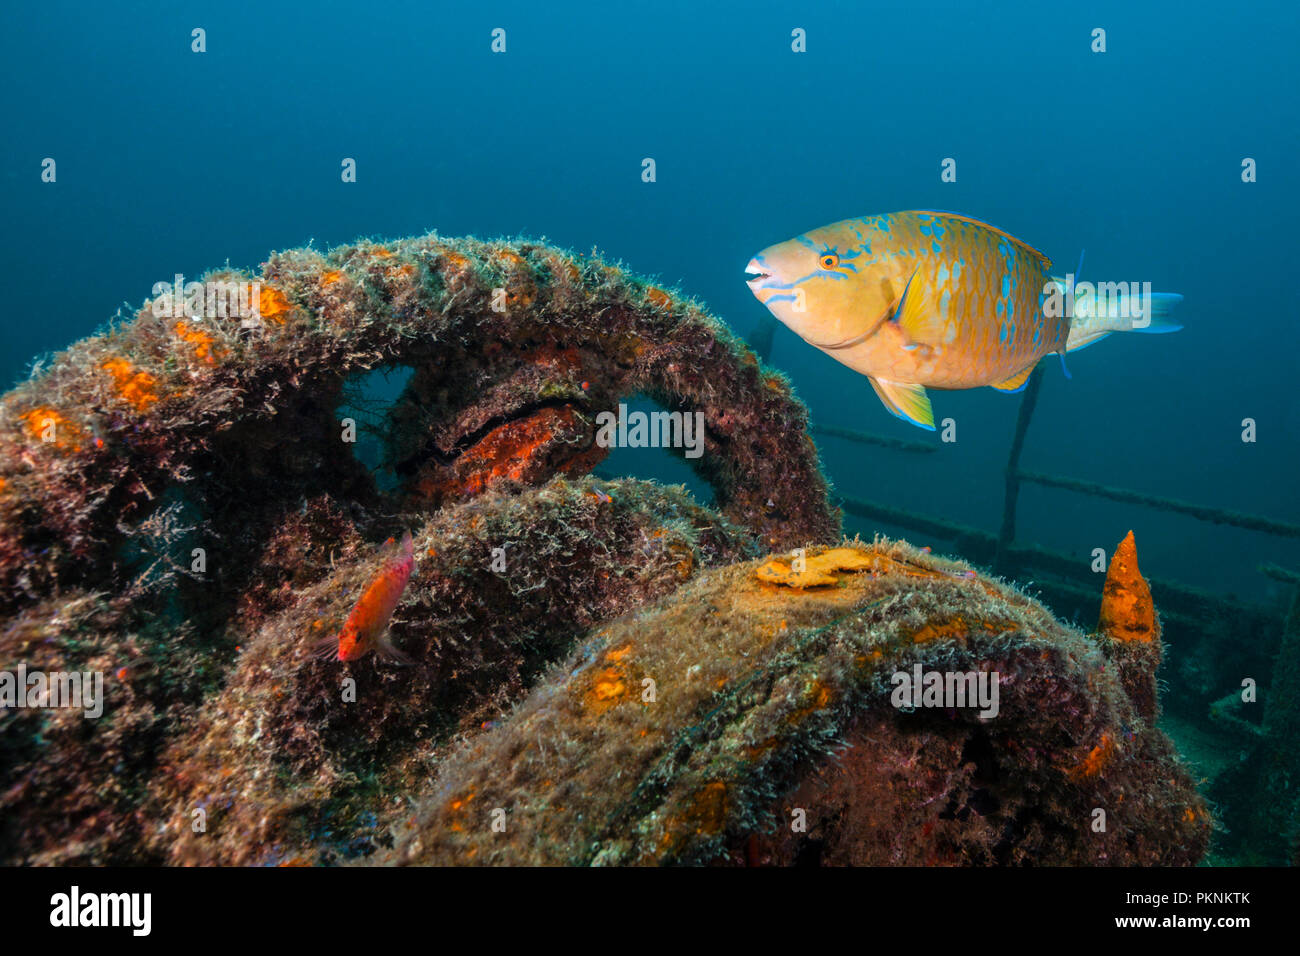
<point>829,260</point>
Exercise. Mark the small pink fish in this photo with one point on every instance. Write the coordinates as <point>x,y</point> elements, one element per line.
<point>366,628</point>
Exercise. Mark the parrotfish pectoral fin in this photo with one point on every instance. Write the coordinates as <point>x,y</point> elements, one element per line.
<point>1015,383</point>
<point>908,402</point>
<point>916,316</point>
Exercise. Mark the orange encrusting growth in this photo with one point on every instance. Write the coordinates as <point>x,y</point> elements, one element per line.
<point>519,450</point>
<point>611,685</point>
<point>1096,761</point>
<point>508,257</point>
<point>456,261</point>
<point>1127,611</point>
<point>819,570</point>
<point>272,304</point>
<point>205,348</point>
<point>51,428</point>
<point>137,389</point>
<point>958,628</point>
<point>659,298</point>
<point>704,813</point>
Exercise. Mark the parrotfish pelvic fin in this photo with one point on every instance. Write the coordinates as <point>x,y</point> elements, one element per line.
<point>908,402</point>
<point>1017,382</point>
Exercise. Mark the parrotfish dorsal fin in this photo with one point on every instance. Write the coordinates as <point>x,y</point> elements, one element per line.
<point>1047,263</point>
<point>908,402</point>
<point>1016,382</point>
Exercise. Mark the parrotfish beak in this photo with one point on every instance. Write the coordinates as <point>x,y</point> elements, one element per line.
<point>757,271</point>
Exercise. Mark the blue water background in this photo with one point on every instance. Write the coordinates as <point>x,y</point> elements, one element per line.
<point>171,161</point>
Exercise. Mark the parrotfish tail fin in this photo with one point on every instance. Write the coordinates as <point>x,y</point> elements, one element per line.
<point>908,402</point>
<point>1097,314</point>
<point>1162,303</point>
<point>408,546</point>
<point>385,649</point>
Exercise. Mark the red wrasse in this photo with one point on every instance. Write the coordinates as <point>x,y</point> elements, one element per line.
<point>366,628</point>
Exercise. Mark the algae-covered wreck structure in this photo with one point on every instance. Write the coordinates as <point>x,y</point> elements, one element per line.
<point>601,671</point>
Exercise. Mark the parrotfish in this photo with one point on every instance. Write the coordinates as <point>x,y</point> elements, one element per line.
<point>929,299</point>
<point>366,628</point>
